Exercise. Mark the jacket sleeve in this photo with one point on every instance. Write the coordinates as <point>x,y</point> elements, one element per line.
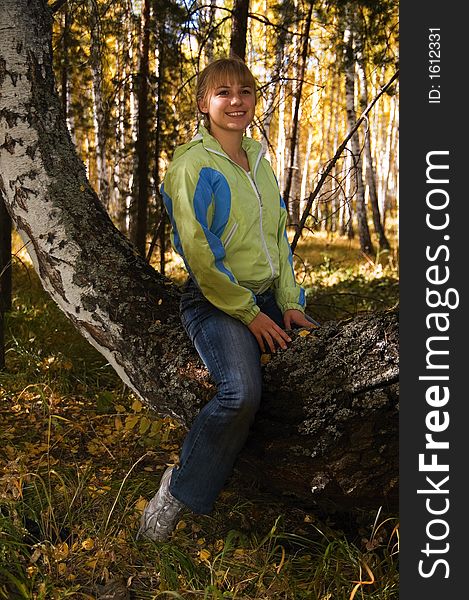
<point>288,294</point>
<point>188,194</point>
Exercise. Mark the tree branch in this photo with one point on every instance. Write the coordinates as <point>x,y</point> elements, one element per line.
<point>335,158</point>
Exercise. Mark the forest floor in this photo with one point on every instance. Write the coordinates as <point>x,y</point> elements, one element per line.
<point>80,456</point>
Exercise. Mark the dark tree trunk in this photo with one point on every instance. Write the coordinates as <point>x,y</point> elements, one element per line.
<point>100,111</point>
<point>5,257</point>
<point>327,431</point>
<point>239,28</point>
<point>5,273</point>
<point>141,225</point>
<point>161,229</point>
<point>65,62</point>
<point>294,214</point>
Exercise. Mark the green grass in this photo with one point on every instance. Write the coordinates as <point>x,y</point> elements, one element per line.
<point>79,456</point>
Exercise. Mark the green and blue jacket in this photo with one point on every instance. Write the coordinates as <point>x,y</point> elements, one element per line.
<point>229,226</point>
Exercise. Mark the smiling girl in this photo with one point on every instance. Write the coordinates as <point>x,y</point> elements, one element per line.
<point>228,223</point>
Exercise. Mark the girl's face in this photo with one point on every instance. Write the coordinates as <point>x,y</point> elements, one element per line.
<point>230,107</point>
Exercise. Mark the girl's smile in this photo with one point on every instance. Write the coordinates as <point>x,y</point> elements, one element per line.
<point>229,107</point>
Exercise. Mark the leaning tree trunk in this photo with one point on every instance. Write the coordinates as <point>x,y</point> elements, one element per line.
<point>328,429</point>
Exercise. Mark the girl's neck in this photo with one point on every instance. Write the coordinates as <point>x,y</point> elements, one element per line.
<point>231,142</point>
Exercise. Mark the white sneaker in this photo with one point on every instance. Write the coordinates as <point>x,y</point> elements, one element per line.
<point>161,514</point>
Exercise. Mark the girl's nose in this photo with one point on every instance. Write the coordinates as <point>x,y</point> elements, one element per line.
<point>236,99</point>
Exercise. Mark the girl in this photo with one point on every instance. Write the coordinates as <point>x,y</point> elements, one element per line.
<point>228,223</point>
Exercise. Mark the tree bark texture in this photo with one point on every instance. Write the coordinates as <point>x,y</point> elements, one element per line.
<point>239,28</point>
<point>5,258</point>
<point>141,147</point>
<point>5,273</point>
<point>100,117</point>
<point>363,230</point>
<point>293,156</point>
<point>370,170</point>
<point>327,431</point>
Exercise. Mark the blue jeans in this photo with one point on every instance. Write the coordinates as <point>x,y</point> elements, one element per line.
<point>232,356</point>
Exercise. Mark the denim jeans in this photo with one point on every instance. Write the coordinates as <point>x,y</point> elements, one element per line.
<point>232,356</point>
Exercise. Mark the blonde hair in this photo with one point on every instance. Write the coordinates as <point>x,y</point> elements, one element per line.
<point>218,73</point>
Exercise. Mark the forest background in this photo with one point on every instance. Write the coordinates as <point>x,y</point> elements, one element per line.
<point>126,74</point>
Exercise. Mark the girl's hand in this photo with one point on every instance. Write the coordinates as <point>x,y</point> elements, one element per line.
<point>296,317</point>
<point>266,330</point>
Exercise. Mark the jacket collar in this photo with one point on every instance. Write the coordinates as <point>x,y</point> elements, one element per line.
<point>252,147</point>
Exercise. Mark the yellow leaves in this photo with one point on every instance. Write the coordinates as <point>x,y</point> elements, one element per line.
<point>137,406</point>
<point>55,363</point>
<point>87,544</point>
<point>204,554</point>
<point>140,505</point>
<point>98,490</point>
<point>144,426</point>
<point>131,421</point>
<point>31,571</point>
<point>265,358</point>
<point>92,563</point>
<point>62,568</point>
<point>304,332</point>
<point>155,428</point>
<point>61,551</point>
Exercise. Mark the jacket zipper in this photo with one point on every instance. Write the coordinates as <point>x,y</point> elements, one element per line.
<point>266,250</point>
<point>259,199</point>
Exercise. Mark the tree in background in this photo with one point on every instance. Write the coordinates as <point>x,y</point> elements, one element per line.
<point>5,272</point>
<point>239,21</point>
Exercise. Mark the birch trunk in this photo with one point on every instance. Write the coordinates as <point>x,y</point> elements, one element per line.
<point>327,431</point>
<point>363,231</point>
<point>370,171</point>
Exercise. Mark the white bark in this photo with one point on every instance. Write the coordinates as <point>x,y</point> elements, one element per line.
<point>40,175</point>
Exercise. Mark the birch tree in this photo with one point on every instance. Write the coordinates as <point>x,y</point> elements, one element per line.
<point>349,67</point>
